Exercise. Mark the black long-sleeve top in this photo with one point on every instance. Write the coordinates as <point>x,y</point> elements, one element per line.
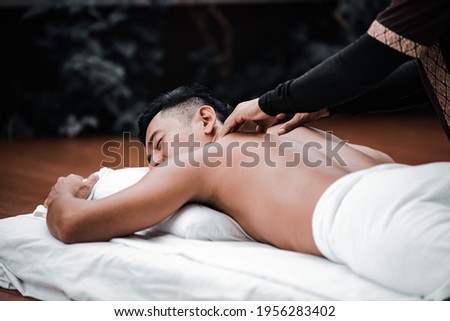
<point>353,71</point>
<point>406,30</point>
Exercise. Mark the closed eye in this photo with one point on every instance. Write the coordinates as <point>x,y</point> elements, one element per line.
<point>158,145</point>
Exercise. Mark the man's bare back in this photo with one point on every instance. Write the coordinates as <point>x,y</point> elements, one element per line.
<point>273,199</point>
<point>274,204</point>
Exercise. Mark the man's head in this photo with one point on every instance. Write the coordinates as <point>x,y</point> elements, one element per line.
<point>187,113</point>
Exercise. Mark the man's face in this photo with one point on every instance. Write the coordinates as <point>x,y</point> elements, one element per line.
<point>167,136</point>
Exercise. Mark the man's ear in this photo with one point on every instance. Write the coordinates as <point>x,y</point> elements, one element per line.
<point>207,116</point>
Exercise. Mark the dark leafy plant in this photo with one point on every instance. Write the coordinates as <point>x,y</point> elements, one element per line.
<point>79,68</point>
<point>97,61</point>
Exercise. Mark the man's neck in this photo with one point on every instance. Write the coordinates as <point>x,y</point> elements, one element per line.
<point>217,130</point>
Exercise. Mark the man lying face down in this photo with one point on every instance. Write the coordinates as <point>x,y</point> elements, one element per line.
<point>286,191</point>
<point>261,180</point>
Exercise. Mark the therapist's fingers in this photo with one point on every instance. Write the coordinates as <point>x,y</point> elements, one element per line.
<point>281,116</point>
<point>232,123</point>
<point>264,124</point>
<point>235,122</point>
<point>245,111</point>
<point>291,124</point>
<point>300,119</point>
<point>228,125</point>
<point>237,118</point>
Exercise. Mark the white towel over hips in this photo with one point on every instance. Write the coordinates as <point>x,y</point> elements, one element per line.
<point>390,224</point>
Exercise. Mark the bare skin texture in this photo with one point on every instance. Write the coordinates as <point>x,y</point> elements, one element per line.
<point>272,201</point>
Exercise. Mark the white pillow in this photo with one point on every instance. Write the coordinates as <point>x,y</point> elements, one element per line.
<point>193,221</point>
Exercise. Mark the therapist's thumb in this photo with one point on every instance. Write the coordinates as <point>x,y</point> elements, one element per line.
<point>228,126</point>
<point>294,122</point>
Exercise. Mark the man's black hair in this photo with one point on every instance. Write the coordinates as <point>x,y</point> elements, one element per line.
<point>184,100</point>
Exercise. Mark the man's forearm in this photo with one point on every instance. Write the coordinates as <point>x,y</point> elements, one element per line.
<point>75,220</point>
<point>62,215</point>
<point>142,205</point>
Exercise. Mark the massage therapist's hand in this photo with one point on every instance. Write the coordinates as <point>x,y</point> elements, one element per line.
<point>300,119</point>
<point>73,185</point>
<point>246,111</point>
<point>250,110</point>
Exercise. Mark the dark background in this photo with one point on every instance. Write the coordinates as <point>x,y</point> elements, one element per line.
<point>78,69</point>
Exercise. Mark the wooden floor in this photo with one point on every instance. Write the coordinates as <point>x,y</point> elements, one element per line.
<point>29,168</point>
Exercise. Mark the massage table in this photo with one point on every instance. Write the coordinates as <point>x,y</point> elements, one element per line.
<point>185,258</point>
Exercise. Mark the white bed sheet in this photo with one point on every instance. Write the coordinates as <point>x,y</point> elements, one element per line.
<point>166,267</point>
